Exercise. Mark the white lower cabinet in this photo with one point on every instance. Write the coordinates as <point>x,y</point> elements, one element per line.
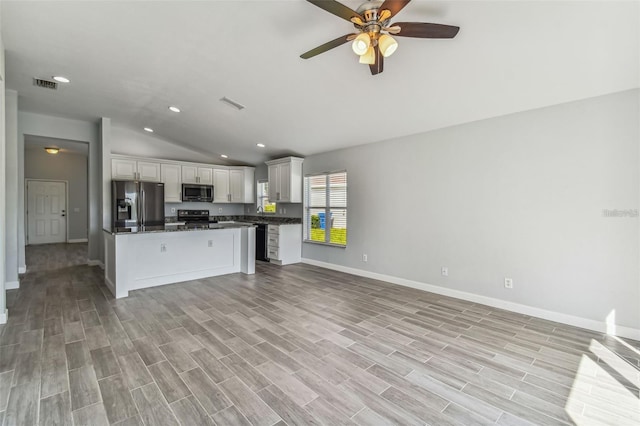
<point>284,243</point>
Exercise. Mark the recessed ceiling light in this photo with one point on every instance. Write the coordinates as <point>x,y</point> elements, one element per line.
<point>148,129</point>
<point>174,108</point>
<point>61,79</point>
<point>224,156</point>
<point>260,145</point>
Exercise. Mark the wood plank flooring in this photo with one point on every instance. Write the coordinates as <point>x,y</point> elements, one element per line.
<point>294,345</point>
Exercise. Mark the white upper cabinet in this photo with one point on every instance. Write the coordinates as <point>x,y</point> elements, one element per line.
<point>236,186</point>
<point>285,180</point>
<point>233,185</point>
<point>196,174</point>
<point>171,175</point>
<point>221,186</point>
<point>127,169</point>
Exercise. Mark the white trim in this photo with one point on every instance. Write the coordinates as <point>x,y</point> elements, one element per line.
<point>599,326</point>
<point>12,285</point>
<point>95,263</point>
<point>22,269</point>
<point>4,316</point>
<point>78,240</point>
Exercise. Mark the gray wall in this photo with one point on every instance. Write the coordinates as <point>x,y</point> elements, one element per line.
<point>11,188</point>
<point>72,168</point>
<point>518,196</point>
<point>3,299</point>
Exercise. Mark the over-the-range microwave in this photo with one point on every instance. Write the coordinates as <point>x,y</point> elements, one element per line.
<point>195,192</point>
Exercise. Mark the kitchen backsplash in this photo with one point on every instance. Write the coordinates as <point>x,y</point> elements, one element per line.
<point>246,218</point>
<point>292,211</point>
<point>171,209</point>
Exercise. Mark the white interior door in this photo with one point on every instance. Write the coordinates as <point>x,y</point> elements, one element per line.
<point>46,212</point>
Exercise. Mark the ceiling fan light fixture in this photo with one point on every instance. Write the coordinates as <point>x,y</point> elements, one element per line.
<point>361,44</point>
<point>369,58</point>
<point>387,45</point>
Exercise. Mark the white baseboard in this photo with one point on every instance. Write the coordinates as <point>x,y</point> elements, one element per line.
<point>12,285</point>
<point>95,263</point>
<point>22,269</point>
<point>3,317</point>
<point>78,240</point>
<point>599,326</point>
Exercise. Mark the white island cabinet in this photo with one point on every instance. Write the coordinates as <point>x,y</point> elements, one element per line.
<point>140,260</point>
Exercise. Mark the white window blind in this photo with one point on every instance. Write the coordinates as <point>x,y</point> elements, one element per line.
<point>325,208</point>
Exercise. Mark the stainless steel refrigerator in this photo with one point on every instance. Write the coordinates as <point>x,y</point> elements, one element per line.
<point>137,203</point>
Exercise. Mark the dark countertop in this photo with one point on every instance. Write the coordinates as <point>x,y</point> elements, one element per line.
<point>177,228</point>
<point>272,220</point>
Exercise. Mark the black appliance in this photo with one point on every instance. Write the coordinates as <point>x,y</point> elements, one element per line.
<point>195,218</point>
<point>195,192</point>
<point>137,203</point>
<point>261,242</point>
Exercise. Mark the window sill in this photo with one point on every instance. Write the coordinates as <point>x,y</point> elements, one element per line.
<point>320,243</point>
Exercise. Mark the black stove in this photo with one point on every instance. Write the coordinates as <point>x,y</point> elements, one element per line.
<point>195,218</point>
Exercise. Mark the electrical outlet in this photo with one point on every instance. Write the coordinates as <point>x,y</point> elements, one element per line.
<point>364,257</point>
<point>163,248</point>
<point>173,209</point>
<point>220,210</point>
<point>444,271</point>
<point>285,210</point>
<point>210,243</point>
<point>508,283</point>
<point>280,210</point>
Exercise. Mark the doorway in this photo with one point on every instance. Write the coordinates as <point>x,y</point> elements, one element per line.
<point>46,211</point>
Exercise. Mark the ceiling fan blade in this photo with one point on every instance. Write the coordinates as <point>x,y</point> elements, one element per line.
<point>425,30</point>
<point>393,6</point>
<point>378,67</point>
<point>336,8</point>
<point>327,46</point>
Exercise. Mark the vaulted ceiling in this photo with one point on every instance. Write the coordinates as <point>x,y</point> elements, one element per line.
<point>130,60</point>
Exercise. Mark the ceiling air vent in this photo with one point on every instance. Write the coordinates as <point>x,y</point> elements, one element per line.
<point>45,83</point>
<point>232,103</point>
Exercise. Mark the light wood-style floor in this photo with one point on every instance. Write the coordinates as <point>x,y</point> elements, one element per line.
<point>297,345</point>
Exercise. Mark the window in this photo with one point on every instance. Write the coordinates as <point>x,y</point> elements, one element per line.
<point>264,206</point>
<point>325,208</point>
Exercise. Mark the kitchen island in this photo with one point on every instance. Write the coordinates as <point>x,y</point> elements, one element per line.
<point>144,257</point>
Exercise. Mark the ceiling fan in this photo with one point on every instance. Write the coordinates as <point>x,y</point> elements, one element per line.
<point>372,41</point>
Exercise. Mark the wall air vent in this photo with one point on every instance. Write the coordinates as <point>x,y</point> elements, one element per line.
<point>231,103</point>
<point>45,83</point>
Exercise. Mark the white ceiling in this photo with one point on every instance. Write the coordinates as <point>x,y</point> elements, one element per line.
<point>129,60</point>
